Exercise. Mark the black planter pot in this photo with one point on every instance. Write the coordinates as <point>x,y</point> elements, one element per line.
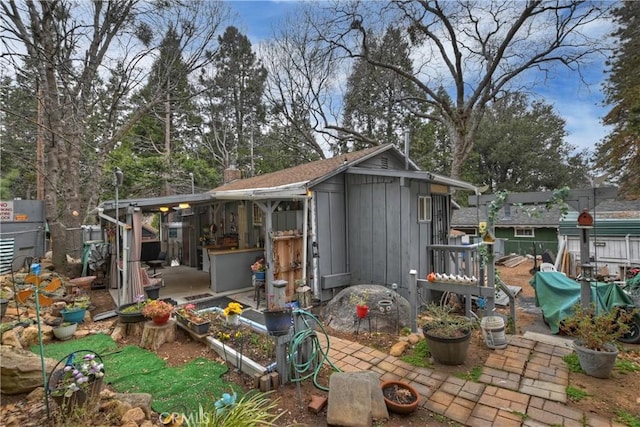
<point>448,351</point>
<point>152,292</point>
<point>278,322</point>
<point>198,328</point>
<point>130,317</point>
<point>4,303</point>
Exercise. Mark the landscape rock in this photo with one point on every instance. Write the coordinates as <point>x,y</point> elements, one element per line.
<point>135,414</point>
<point>398,348</point>
<point>349,400</point>
<point>136,400</point>
<point>414,339</point>
<point>12,338</point>
<point>341,314</point>
<point>21,370</point>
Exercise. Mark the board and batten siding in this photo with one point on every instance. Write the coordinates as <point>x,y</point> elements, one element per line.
<point>329,200</point>
<point>385,238</point>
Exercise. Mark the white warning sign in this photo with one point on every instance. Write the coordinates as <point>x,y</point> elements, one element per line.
<point>6,211</point>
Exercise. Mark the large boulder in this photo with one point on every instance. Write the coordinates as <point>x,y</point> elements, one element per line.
<point>340,312</point>
<point>21,370</point>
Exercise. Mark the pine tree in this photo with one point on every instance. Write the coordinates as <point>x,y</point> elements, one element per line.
<point>619,154</point>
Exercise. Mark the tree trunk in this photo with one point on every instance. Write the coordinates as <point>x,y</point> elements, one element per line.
<point>153,336</point>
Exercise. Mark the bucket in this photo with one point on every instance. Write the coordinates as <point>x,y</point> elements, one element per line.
<point>493,331</point>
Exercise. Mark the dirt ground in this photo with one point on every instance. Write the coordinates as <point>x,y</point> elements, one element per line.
<point>605,397</point>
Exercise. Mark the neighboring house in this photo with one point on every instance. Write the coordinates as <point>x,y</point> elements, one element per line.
<point>614,240</point>
<point>519,227</point>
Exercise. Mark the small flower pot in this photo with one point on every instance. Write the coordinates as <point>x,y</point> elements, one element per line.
<point>259,275</point>
<point>362,311</point>
<point>64,333</point>
<point>198,328</point>
<point>400,397</point>
<point>75,316</point>
<point>233,320</point>
<point>161,320</point>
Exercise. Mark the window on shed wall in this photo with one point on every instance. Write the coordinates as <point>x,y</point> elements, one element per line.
<point>424,208</point>
<point>523,232</point>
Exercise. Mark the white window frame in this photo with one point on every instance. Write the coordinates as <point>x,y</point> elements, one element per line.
<point>517,232</point>
<point>424,208</point>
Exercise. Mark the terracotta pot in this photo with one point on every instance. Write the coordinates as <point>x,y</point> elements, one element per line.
<point>400,397</point>
<point>161,320</point>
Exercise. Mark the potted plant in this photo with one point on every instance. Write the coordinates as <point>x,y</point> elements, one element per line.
<point>400,397</point>
<point>132,313</point>
<point>74,382</point>
<point>158,311</point>
<point>5,295</point>
<point>232,312</point>
<point>360,300</point>
<point>447,333</point>
<point>65,330</point>
<point>596,333</point>
<point>74,313</point>
<point>189,317</point>
<point>259,269</point>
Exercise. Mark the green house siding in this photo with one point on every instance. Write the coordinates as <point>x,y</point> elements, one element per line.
<point>544,238</point>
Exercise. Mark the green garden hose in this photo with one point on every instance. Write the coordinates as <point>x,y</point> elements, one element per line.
<point>318,354</point>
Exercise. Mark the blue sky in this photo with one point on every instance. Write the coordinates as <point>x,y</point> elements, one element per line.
<point>578,103</point>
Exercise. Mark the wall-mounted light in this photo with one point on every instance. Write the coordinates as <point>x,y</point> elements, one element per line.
<point>183,205</point>
<point>164,209</point>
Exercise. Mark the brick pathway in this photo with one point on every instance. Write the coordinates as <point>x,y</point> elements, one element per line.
<point>521,385</point>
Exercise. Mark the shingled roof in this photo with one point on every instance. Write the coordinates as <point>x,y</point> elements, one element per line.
<point>305,173</point>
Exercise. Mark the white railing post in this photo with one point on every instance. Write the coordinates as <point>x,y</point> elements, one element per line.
<point>413,298</point>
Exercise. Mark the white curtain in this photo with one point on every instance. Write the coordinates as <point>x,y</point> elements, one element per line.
<point>134,281</point>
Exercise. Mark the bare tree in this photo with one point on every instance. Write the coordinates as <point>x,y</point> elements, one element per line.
<point>71,47</point>
<point>465,53</point>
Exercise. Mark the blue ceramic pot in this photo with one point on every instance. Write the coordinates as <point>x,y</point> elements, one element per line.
<point>259,275</point>
<point>76,316</point>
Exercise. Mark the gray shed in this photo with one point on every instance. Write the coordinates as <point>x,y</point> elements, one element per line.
<point>367,217</point>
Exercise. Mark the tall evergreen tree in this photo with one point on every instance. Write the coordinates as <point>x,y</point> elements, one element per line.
<point>164,137</point>
<point>377,106</point>
<point>619,153</point>
<point>233,99</point>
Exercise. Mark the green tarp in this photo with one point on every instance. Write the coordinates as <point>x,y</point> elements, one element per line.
<point>556,294</point>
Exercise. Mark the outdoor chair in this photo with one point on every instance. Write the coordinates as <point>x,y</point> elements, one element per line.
<point>546,267</point>
<point>153,280</point>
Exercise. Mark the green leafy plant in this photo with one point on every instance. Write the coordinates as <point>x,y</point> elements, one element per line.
<point>419,355</point>
<point>573,363</point>
<point>472,375</point>
<point>627,418</point>
<point>156,308</point>
<point>441,321</point>
<point>597,330</point>
<point>575,394</point>
<point>359,298</point>
<point>625,366</point>
<point>252,409</point>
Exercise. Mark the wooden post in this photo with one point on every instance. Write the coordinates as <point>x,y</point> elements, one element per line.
<point>282,366</point>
